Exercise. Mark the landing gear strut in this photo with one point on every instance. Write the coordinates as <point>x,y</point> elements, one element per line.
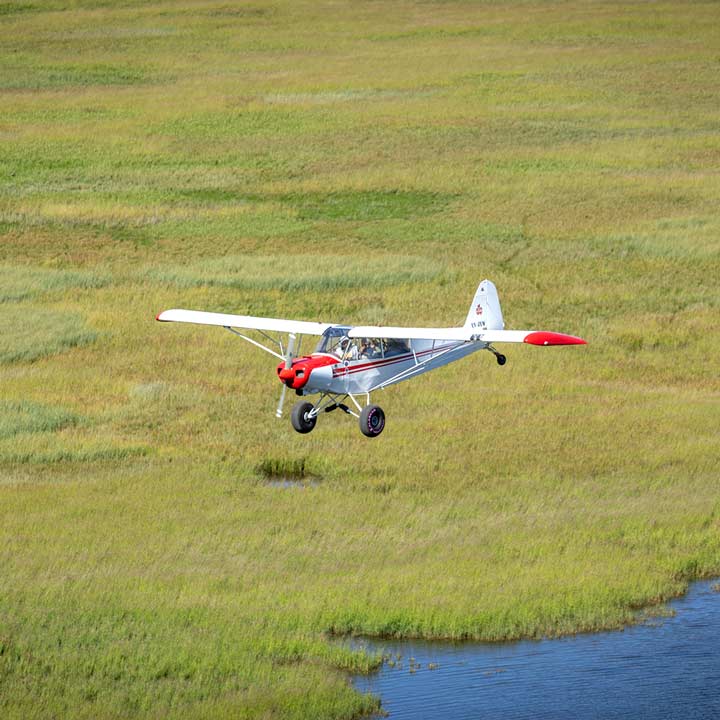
<point>501,359</point>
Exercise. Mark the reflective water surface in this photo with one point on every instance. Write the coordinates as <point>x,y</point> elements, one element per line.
<point>668,668</point>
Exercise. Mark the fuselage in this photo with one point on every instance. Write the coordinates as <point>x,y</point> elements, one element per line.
<point>355,366</point>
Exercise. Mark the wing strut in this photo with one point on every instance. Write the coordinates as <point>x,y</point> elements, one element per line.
<point>256,343</point>
<point>418,367</point>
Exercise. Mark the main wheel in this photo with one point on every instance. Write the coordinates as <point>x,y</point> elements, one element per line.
<point>501,359</point>
<point>372,420</point>
<point>299,417</point>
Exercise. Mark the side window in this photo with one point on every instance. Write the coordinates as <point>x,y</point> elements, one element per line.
<point>396,347</point>
<point>370,348</point>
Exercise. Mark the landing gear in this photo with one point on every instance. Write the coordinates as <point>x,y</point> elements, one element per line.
<point>300,417</point>
<point>372,420</point>
<point>304,414</point>
<point>501,359</point>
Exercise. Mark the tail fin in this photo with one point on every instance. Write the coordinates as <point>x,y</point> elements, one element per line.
<point>485,312</point>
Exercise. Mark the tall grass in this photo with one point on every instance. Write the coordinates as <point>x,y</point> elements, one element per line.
<point>21,283</point>
<point>29,417</point>
<point>27,334</point>
<point>370,163</point>
<point>301,271</point>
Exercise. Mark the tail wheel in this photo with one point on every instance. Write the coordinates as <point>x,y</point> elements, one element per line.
<point>372,420</point>
<point>299,417</point>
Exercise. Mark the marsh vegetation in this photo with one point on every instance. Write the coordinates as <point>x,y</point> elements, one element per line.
<point>355,163</point>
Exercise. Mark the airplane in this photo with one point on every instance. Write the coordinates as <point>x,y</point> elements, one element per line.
<point>350,362</point>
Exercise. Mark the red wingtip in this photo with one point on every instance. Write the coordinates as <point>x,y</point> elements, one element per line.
<point>157,317</point>
<point>553,338</point>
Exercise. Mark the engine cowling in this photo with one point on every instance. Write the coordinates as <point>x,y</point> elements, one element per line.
<point>298,374</point>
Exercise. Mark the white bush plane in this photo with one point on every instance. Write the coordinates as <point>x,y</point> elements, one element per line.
<point>353,361</point>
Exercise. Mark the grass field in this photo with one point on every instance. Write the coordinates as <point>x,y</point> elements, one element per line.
<point>348,162</point>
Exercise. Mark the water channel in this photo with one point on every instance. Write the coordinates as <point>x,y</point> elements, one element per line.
<point>668,668</point>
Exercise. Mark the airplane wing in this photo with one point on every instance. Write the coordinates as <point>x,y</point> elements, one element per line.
<point>247,322</point>
<point>465,334</point>
<point>401,333</point>
<point>302,327</point>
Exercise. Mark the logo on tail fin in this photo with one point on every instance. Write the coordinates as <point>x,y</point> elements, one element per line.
<point>484,312</point>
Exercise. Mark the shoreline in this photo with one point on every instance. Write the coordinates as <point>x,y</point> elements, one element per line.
<point>411,658</point>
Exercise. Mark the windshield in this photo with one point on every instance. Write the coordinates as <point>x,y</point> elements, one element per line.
<point>331,339</point>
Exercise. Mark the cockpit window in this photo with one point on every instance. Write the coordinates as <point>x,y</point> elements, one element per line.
<point>336,341</point>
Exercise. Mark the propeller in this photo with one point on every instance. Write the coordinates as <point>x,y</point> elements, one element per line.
<point>288,366</point>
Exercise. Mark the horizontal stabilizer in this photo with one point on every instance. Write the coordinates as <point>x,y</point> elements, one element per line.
<point>532,337</point>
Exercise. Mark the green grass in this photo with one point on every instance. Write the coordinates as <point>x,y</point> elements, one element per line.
<point>22,282</point>
<point>367,206</point>
<point>27,334</point>
<point>29,417</point>
<point>55,77</point>
<point>168,548</point>
<point>292,468</point>
<point>291,273</point>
